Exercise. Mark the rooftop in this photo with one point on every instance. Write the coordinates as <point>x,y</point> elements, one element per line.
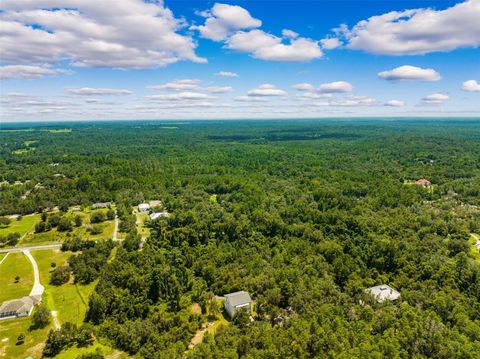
<point>16,305</point>
<point>238,298</point>
<point>383,292</point>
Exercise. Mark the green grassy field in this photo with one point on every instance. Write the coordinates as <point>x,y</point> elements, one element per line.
<point>69,300</point>
<point>60,130</point>
<point>33,345</point>
<point>55,236</point>
<point>16,264</point>
<point>141,218</point>
<point>109,353</point>
<point>474,249</point>
<point>26,224</point>
<point>2,255</point>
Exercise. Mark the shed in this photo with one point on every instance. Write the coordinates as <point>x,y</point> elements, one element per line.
<point>383,292</point>
<point>101,205</point>
<point>143,207</point>
<point>236,301</point>
<point>157,215</point>
<point>423,182</point>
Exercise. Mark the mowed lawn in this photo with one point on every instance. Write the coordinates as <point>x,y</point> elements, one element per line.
<point>73,353</point>
<point>69,300</point>
<point>26,224</point>
<point>10,330</point>
<point>55,236</point>
<point>16,264</point>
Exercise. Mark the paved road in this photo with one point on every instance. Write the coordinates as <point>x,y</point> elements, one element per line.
<point>37,286</point>
<point>4,258</point>
<point>21,249</point>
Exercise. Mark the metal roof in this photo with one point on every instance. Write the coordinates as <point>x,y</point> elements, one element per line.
<point>383,292</point>
<point>238,298</point>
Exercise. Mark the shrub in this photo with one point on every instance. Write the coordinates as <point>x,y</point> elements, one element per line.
<point>60,275</point>
<point>64,225</point>
<point>41,317</point>
<point>97,217</point>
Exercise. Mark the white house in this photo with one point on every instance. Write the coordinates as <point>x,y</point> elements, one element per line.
<point>155,215</point>
<point>236,301</point>
<point>383,292</point>
<point>143,207</point>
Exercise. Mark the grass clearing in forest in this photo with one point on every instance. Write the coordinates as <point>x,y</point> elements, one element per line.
<point>69,300</point>
<point>16,264</point>
<point>33,345</point>
<point>24,225</point>
<point>108,352</point>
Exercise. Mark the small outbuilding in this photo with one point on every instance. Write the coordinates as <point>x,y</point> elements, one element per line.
<point>423,182</point>
<point>17,307</point>
<point>156,215</point>
<point>383,292</point>
<point>143,207</point>
<point>236,301</point>
<point>101,205</point>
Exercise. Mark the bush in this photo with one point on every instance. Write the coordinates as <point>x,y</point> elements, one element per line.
<point>4,221</point>
<point>78,220</point>
<point>97,217</point>
<point>96,229</point>
<point>54,220</point>
<point>97,354</point>
<point>40,227</point>
<point>60,275</point>
<point>40,317</point>
<point>64,225</point>
<point>10,239</point>
<point>110,214</point>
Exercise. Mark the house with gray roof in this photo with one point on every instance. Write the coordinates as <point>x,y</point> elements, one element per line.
<point>17,308</point>
<point>236,301</point>
<point>383,292</point>
<point>101,205</point>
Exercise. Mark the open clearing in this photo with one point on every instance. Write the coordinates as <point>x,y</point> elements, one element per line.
<point>68,300</point>
<point>16,264</point>
<point>34,339</point>
<point>26,224</point>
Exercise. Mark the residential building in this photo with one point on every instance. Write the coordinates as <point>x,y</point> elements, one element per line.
<point>383,292</point>
<point>236,301</point>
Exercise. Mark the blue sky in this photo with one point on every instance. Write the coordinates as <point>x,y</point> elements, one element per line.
<point>85,59</point>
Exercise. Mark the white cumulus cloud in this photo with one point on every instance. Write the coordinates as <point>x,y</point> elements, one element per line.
<point>226,74</point>
<point>471,86</point>
<point>177,85</point>
<point>90,91</point>
<point>351,101</point>
<point>91,33</point>
<point>336,87</point>
<point>417,31</point>
<point>239,31</point>
<point>28,72</point>
<point>304,86</point>
<point>330,43</point>
<point>395,103</point>
<point>223,19</point>
<point>410,73</point>
<point>435,99</point>
<point>264,46</point>
<point>180,96</point>
<point>266,90</point>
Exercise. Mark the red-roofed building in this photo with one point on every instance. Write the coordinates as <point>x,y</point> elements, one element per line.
<point>423,182</point>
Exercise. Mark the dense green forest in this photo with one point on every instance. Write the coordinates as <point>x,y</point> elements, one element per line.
<point>304,215</point>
